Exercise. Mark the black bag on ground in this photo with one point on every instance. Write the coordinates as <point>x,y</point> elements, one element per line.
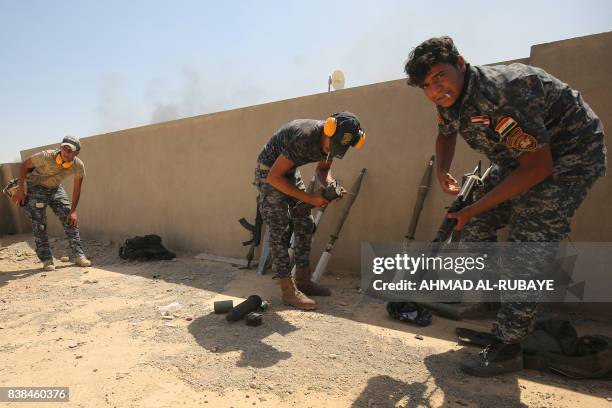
<point>409,312</point>
<point>147,248</point>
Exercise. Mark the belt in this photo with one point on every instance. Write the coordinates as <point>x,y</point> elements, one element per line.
<point>262,166</point>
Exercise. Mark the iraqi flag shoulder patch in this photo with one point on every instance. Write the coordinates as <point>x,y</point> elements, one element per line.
<point>505,125</point>
<point>514,136</point>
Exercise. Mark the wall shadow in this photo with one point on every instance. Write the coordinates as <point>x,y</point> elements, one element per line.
<point>384,391</point>
<point>445,385</point>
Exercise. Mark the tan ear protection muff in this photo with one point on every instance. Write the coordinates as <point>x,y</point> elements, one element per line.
<point>329,129</point>
<point>62,163</point>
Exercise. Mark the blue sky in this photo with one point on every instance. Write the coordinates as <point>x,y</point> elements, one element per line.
<point>85,67</point>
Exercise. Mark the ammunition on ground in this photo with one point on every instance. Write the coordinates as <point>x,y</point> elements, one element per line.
<point>348,203</point>
<point>253,319</point>
<point>250,305</point>
<point>223,306</point>
<point>420,200</point>
<point>422,193</point>
<point>445,310</point>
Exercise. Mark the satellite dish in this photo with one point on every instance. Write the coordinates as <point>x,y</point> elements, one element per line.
<point>337,79</point>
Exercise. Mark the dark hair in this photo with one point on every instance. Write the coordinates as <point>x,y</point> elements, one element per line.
<point>433,51</point>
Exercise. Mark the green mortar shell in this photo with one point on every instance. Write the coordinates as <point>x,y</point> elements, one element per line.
<point>224,306</point>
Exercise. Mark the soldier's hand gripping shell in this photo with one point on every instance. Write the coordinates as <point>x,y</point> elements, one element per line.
<point>318,199</point>
<point>449,184</point>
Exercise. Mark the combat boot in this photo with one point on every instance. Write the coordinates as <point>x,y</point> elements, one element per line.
<point>497,358</point>
<point>292,296</point>
<point>82,261</point>
<point>48,265</point>
<point>303,280</point>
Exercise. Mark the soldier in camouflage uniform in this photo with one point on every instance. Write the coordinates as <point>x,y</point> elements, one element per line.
<point>43,172</point>
<point>549,149</point>
<point>283,199</point>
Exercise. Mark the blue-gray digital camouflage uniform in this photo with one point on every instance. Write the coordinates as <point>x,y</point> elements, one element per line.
<point>300,142</point>
<point>44,190</point>
<point>505,112</point>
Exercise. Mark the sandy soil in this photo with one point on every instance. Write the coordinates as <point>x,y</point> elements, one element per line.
<point>98,331</point>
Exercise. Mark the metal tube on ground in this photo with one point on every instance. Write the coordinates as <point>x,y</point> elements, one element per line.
<point>251,304</point>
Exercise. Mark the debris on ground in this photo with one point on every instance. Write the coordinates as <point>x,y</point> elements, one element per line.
<point>170,308</point>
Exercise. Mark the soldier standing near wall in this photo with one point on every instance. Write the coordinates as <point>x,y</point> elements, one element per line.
<point>44,172</point>
<point>549,148</point>
<point>281,190</point>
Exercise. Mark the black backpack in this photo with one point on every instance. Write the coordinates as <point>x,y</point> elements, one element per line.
<point>145,248</point>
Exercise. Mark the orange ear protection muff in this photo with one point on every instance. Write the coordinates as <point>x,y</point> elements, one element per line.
<point>330,127</point>
<point>61,163</point>
<point>361,140</point>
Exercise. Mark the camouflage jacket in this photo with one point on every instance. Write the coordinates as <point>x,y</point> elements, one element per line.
<point>506,111</point>
<point>298,140</point>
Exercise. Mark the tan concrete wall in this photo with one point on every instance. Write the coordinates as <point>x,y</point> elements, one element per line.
<point>190,180</point>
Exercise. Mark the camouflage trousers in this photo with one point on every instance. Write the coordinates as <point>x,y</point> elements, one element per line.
<point>38,199</point>
<point>541,214</point>
<point>279,211</point>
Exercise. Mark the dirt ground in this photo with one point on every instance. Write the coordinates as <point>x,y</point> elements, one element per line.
<point>98,330</point>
